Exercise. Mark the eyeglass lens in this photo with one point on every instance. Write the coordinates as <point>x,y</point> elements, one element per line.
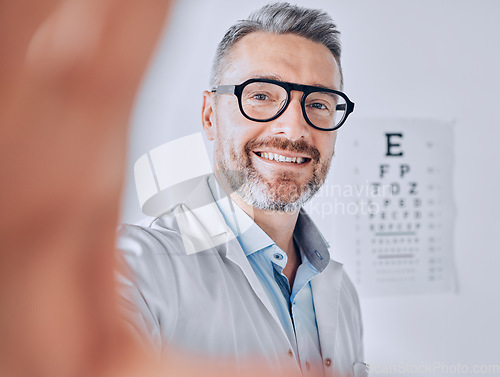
<point>262,101</point>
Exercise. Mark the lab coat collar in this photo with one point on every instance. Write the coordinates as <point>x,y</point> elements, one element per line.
<point>199,221</point>
<point>250,236</point>
<point>203,226</point>
<point>311,241</point>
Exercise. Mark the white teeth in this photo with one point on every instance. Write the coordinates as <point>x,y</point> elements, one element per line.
<point>277,157</point>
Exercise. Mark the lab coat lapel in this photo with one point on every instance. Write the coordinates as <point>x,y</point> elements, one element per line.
<point>237,255</point>
<point>203,227</point>
<point>326,295</point>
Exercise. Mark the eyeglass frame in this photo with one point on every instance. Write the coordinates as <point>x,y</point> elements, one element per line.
<point>237,90</point>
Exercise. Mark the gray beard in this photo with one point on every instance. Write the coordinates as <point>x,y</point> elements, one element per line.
<point>284,196</point>
<point>255,195</point>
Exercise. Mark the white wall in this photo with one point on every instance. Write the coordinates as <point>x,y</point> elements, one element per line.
<point>401,59</point>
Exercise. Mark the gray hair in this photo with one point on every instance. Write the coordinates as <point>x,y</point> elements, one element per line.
<point>279,18</point>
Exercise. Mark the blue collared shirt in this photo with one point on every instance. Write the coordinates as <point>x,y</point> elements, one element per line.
<point>294,307</point>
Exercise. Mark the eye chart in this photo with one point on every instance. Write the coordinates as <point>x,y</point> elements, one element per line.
<point>387,207</point>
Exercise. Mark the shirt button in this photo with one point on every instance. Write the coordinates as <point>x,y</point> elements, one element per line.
<point>328,361</point>
<point>290,353</point>
<point>278,256</point>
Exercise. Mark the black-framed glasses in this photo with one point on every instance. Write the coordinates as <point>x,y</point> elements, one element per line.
<point>263,100</point>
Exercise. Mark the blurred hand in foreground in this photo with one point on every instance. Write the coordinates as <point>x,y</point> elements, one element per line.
<point>70,70</point>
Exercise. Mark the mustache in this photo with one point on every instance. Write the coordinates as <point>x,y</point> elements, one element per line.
<point>299,146</point>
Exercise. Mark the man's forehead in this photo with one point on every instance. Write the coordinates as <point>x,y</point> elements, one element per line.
<point>284,57</point>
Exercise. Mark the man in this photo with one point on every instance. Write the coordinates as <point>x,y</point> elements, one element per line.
<point>237,268</point>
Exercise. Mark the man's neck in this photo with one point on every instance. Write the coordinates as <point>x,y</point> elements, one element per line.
<point>278,225</point>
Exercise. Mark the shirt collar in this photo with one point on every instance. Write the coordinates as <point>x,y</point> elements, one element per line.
<point>252,238</point>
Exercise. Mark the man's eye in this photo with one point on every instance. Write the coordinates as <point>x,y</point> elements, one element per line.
<point>318,106</point>
<point>260,97</point>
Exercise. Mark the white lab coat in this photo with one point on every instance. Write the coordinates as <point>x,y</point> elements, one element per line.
<point>190,284</point>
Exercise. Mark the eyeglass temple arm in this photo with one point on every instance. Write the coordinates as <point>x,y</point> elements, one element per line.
<point>224,89</point>
<point>344,107</point>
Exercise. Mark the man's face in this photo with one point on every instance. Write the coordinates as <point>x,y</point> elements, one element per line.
<point>241,145</point>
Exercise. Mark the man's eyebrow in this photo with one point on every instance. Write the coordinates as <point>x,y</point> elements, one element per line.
<point>323,86</point>
<point>267,77</point>
<point>278,78</point>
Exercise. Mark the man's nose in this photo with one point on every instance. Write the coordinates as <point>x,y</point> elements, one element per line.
<point>291,123</point>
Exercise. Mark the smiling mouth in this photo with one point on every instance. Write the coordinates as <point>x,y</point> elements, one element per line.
<point>280,158</point>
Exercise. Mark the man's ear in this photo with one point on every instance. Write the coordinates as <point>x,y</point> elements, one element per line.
<point>208,115</point>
